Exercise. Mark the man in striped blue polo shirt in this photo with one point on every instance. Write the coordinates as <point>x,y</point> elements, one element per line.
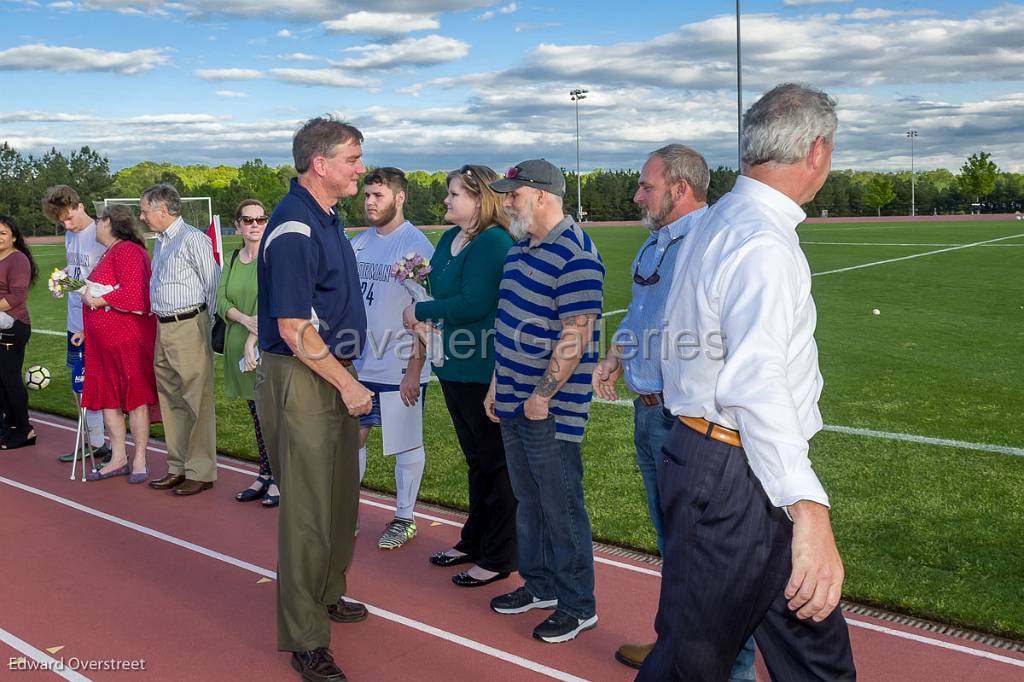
<point>545,351</point>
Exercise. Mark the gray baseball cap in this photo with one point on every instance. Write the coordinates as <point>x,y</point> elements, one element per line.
<point>537,173</point>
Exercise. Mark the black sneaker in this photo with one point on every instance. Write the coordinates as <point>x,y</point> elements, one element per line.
<point>317,666</point>
<point>561,627</point>
<point>101,454</point>
<point>520,601</point>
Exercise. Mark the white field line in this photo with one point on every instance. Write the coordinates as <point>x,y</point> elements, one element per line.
<point>916,255</point>
<point>44,659</point>
<point>937,642</point>
<point>533,666</point>
<point>374,503</point>
<point>926,440</point>
<point>994,246</point>
<point>868,227</point>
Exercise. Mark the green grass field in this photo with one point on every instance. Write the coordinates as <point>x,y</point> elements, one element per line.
<point>928,529</point>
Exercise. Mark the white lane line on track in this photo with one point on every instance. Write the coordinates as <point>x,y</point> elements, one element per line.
<point>456,524</point>
<point>526,663</point>
<point>47,662</point>
<point>936,642</point>
<point>442,634</point>
<point>915,255</point>
<point>374,503</point>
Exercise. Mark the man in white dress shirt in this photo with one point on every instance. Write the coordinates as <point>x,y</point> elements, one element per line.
<point>749,546</point>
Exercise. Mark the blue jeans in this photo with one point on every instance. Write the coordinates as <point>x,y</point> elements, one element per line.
<point>651,424</point>
<point>556,557</point>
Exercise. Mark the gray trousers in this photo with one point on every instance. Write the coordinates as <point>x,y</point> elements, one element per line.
<point>313,443</point>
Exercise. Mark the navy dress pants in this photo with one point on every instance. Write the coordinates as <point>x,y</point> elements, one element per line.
<point>727,561</point>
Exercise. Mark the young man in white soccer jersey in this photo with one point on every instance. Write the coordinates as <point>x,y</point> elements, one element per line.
<point>64,207</point>
<point>392,360</point>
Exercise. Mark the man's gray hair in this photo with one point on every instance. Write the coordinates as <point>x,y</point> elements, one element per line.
<point>318,137</point>
<point>783,125</point>
<point>684,163</point>
<point>163,195</point>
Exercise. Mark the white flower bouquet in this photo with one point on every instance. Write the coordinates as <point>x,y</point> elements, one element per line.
<point>411,271</point>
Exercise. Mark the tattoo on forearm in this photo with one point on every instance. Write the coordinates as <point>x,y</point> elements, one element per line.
<point>547,385</point>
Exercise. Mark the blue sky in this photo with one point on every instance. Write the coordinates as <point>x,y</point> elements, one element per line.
<point>434,84</point>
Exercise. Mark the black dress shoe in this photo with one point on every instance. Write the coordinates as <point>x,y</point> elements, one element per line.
<point>317,666</point>
<point>442,559</point>
<point>464,579</point>
<point>167,482</point>
<point>347,612</point>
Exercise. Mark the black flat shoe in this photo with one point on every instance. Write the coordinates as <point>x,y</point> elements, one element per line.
<point>464,579</point>
<point>252,494</point>
<point>442,559</point>
<point>15,442</point>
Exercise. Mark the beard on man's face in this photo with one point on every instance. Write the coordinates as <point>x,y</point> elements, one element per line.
<point>385,215</point>
<point>655,220</point>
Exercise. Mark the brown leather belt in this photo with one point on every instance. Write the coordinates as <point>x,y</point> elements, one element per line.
<point>180,317</point>
<point>651,399</point>
<point>709,430</point>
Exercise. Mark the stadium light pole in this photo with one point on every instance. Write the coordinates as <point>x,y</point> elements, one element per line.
<point>576,95</point>
<point>913,200</point>
<point>739,96</point>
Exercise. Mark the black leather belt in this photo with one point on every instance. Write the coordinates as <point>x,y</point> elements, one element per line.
<point>180,317</point>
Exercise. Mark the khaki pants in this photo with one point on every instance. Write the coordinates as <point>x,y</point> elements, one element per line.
<point>184,382</point>
<point>313,445</point>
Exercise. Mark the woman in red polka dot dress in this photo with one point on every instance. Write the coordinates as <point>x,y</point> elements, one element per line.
<point>121,336</point>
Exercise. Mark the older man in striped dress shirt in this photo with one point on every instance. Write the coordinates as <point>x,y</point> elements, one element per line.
<point>182,294</point>
<point>545,348</point>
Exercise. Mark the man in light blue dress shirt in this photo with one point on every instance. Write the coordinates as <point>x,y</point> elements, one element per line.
<point>672,196</point>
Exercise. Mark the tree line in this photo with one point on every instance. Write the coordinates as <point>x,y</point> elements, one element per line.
<point>607,194</point>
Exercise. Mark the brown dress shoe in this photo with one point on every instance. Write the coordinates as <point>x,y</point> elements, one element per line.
<point>347,612</point>
<point>190,487</point>
<point>317,666</point>
<point>633,655</point>
<point>168,481</point>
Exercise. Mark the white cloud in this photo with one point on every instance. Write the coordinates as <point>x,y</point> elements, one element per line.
<point>298,57</point>
<point>227,74</point>
<point>863,14</point>
<point>230,93</point>
<point>382,23</point>
<point>504,9</point>
<point>808,3</point>
<point>519,28</point>
<point>432,49</point>
<point>284,33</point>
<point>334,78</point>
<point>312,10</point>
<point>61,5</point>
<point>56,58</point>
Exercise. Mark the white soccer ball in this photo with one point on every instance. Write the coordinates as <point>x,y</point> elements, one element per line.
<point>876,311</point>
<point>37,377</point>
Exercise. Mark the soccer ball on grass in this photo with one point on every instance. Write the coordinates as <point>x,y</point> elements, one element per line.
<point>37,377</point>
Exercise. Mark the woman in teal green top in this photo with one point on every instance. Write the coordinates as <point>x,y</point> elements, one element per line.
<point>236,304</point>
<point>466,272</point>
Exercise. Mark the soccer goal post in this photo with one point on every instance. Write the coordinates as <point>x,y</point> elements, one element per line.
<point>196,211</point>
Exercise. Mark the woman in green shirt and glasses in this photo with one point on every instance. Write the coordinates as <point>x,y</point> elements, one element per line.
<point>467,266</point>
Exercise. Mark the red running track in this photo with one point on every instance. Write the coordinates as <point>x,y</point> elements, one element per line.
<point>112,571</point>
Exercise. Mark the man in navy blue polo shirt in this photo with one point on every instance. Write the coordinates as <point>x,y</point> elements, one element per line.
<point>311,326</point>
<point>545,351</point>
